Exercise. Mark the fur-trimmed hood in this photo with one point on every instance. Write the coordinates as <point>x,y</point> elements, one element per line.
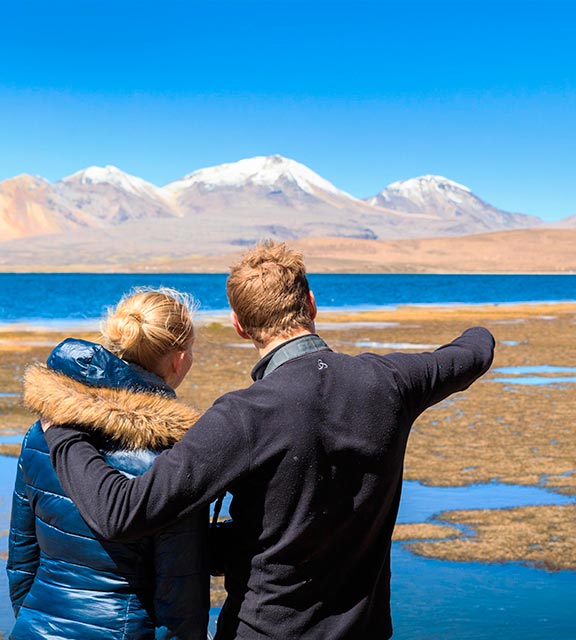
<point>129,418</point>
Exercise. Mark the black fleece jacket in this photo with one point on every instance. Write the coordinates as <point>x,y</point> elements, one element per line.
<point>312,453</point>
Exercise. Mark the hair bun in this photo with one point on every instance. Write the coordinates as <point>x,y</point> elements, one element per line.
<point>130,329</point>
<point>136,315</point>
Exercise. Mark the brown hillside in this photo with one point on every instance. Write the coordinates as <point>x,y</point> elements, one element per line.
<point>520,251</point>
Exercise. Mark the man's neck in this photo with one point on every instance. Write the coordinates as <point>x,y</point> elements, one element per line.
<point>265,348</point>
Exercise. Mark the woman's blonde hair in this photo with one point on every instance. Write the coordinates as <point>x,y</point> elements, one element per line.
<point>147,324</point>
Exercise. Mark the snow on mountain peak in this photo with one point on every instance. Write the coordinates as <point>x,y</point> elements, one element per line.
<point>425,183</point>
<point>265,171</point>
<point>113,176</point>
<point>418,194</point>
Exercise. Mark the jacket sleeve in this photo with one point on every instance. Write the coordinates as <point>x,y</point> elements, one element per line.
<point>182,588</point>
<point>211,456</point>
<point>428,378</point>
<point>23,550</point>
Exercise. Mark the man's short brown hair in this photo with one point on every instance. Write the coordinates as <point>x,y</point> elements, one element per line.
<point>269,292</point>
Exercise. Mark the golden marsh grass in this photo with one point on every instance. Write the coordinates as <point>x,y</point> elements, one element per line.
<point>510,433</point>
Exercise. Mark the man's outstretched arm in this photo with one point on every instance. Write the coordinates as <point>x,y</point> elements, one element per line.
<point>210,457</point>
<point>430,377</point>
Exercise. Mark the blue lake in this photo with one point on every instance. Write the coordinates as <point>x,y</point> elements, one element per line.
<point>53,297</point>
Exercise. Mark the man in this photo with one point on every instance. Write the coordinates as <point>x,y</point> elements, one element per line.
<point>312,453</point>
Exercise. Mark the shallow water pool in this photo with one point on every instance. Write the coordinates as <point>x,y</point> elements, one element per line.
<point>534,375</point>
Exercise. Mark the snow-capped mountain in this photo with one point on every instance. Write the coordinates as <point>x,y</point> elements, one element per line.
<point>263,171</point>
<point>272,196</point>
<point>113,176</point>
<point>102,211</point>
<point>417,194</point>
<point>113,196</point>
<point>454,205</point>
<point>266,176</point>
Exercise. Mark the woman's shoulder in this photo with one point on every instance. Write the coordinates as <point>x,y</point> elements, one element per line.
<point>35,440</point>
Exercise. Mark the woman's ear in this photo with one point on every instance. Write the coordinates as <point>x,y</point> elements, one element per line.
<point>238,327</point>
<point>177,361</point>
<point>179,364</point>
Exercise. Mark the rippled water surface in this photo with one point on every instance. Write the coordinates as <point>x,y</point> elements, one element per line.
<point>333,291</point>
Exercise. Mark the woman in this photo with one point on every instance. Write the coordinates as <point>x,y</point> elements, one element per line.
<point>65,583</point>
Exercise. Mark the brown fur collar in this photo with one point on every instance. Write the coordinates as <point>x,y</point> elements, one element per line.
<point>132,420</point>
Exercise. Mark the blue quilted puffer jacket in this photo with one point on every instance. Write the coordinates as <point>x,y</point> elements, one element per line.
<point>65,582</point>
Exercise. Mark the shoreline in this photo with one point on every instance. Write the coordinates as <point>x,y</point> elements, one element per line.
<point>40,271</point>
<point>332,315</point>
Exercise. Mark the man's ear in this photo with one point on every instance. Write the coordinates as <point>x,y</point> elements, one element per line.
<point>312,305</point>
<point>239,329</point>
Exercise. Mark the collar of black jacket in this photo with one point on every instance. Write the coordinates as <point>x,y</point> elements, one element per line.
<point>288,350</point>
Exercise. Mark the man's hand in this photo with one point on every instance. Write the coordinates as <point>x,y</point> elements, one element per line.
<point>46,424</point>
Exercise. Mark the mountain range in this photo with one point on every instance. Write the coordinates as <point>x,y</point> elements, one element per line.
<point>102,215</point>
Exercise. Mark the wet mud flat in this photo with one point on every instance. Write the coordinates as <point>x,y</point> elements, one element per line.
<point>515,426</point>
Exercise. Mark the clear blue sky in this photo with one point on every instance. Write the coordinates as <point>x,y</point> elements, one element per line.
<point>364,92</point>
